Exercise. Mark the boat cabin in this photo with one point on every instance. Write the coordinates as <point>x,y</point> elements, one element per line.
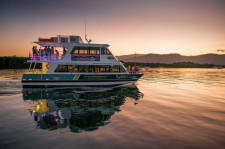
<point>69,54</point>
<point>68,61</point>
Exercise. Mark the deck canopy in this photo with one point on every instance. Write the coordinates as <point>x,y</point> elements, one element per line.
<point>50,44</point>
<point>58,40</point>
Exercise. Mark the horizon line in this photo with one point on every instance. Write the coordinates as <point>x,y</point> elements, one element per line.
<point>171,53</point>
<point>137,54</point>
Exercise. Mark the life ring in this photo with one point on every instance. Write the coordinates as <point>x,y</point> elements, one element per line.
<point>47,66</point>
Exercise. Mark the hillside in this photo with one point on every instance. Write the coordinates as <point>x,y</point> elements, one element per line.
<point>173,58</point>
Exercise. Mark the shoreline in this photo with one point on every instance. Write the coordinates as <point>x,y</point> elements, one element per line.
<point>14,62</point>
<point>173,65</point>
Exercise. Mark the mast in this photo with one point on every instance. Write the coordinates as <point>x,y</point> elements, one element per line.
<point>88,41</point>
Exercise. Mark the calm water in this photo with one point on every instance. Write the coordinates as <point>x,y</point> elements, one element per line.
<point>167,108</point>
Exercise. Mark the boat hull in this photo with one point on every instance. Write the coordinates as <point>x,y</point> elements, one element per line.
<point>61,80</point>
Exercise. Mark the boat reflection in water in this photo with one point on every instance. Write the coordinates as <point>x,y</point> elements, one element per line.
<point>80,109</point>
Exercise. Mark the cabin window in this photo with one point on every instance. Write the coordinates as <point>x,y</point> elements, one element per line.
<point>102,50</point>
<point>64,39</point>
<point>107,68</point>
<point>58,68</point>
<point>76,69</point>
<point>98,51</point>
<point>83,50</point>
<point>71,68</point>
<point>122,69</point>
<point>83,68</point>
<point>92,52</point>
<point>90,68</point>
<point>115,68</point>
<point>86,50</point>
<point>107,52</point>
<point>72,39</point>
<point>62,68</point>
<point>102,68</point>
<point>97,68</point>
<point>76,51</point>
<point>54,39</point>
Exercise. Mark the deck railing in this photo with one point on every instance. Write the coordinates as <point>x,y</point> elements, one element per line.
<point>136,72</point>
<point>46,58</point>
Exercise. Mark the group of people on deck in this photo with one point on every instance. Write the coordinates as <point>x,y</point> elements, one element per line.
<point>45,54</point>
<point>133,69</point>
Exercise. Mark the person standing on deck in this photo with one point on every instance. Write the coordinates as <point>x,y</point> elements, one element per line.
<point>64,51</point>
<point>45,52</point>
<point>57,54</point>
<point>137,69</point>
<point>41,52</point>
<point>128,69</point>
<point>134,69</point>
<point>48,53</point>
<point>52,53</point>
<point>131,69</point>
<point>34,52</point>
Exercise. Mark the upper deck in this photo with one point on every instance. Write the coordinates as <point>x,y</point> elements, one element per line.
<point>67,48</point>
<point>69,54</point>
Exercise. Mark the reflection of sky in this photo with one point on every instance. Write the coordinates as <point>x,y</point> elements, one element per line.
<point>162,26</point>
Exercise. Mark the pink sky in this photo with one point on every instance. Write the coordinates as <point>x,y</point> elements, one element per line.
<point>188,27</point>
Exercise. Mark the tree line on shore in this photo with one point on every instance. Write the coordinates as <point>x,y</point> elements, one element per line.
<point>13,62</point>
<point>173,65</point>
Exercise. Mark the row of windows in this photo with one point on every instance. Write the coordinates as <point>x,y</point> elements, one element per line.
<point>90,50</point>
<point>73,39</point>
<point>89,68</point>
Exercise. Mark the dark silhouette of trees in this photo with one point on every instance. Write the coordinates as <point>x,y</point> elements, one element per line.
<point>13,62</point>
<point>173,65</point>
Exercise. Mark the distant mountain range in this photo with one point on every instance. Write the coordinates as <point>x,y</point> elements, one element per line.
<point>172,58</point>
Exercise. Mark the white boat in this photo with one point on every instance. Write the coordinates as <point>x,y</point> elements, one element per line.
<point>68,61</point>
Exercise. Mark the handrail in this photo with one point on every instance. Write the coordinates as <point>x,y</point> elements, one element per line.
<point>136,72</point>
<point>46,58</point>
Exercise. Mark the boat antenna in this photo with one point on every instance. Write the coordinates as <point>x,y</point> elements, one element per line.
<point>88,40</point>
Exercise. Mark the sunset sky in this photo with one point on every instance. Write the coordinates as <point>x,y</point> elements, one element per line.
<point>187,27</point>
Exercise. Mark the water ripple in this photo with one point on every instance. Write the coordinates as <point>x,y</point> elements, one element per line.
<point>167,108</point>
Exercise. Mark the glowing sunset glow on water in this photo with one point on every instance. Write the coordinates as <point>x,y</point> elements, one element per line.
<point>187,27</point>
<point>166,108</point>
